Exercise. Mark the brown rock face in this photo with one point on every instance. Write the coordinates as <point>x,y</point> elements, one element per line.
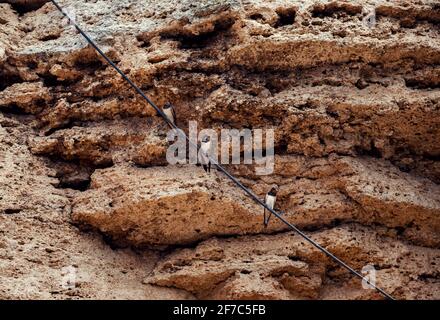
<point>350,88</point>
<point>26,5</point>
<point>181,204</point>
<point>284,267</point>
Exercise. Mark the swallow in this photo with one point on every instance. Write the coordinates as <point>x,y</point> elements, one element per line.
<point>168,110</point>
<point>271,198</point>
<point>205,150</point>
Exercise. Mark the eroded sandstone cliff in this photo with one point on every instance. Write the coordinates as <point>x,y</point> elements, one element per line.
<point>85,183</point>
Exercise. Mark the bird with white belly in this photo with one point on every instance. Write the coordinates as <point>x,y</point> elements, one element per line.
<point>270,200</point>
<point>169,111</point>
<point>205,151</point>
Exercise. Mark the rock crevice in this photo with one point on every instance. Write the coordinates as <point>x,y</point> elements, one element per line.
<point>351,89</point>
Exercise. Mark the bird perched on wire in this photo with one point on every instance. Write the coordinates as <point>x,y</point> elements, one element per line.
<point>168,110</point>
<point>205,150</point>
<point>271,198</point>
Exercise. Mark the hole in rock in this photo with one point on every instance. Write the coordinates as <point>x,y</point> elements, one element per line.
<point>8,80</point>
<point>12,211</point>
<point>75,173</point>
<point>24,6</point>
<point>281,148</point>
<point>80,185</point>
<point>50,80</point>
<point>427,277</point>
<point>335,9</point>
<point>143,43</point>
<point>50,37</point>
<point>90,65</point>
<point>32,65</point>
<point>203,40</point>
<point>333,114</point>
<point>361,84</point>
<point>257,17</point>
<point>371,152</point>
<point>399,230</point>
<point>286,16</point>
<point>295,258</point>
<point>421,84</point>
<point>67,125</point>
<point>336,222</point>
<point>108,240</point>
<point>13,110</point>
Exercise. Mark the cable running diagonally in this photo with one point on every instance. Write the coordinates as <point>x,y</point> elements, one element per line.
<point>219,166</point>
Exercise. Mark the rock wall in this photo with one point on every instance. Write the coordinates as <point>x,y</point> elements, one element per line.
<point>354,103</point>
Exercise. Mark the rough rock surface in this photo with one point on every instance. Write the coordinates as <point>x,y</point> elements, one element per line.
<point>181,204</point>
<point>354,103</point>
<point>283,266</point>
<point>38,244</point>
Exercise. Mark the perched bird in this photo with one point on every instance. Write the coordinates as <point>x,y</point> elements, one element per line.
<point>169,111</point>
<point>205,150</point>
<point>271,198</point>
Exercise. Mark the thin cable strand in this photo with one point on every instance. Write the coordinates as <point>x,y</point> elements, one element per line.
<point>220,167</point>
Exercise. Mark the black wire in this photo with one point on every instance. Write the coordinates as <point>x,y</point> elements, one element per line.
<point>220,167</point>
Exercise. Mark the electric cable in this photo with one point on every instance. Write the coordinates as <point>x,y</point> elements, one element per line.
<point>219,166</point>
